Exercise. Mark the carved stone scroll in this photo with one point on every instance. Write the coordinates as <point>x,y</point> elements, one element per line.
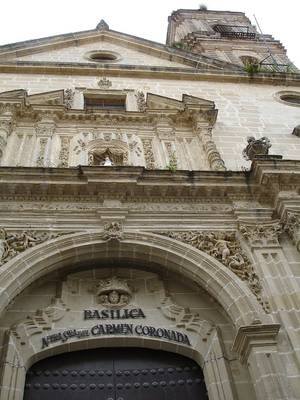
<point>225,248</point>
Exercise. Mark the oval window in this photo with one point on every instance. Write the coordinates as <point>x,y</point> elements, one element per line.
<point>289,97</point>
<point>103,56</point>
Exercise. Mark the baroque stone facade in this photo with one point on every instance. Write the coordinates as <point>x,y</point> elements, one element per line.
<point>142,189</point>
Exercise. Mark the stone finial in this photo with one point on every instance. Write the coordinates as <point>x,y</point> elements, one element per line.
<point>256,147</point>
<point>102,26</point>
<point>296,131</point>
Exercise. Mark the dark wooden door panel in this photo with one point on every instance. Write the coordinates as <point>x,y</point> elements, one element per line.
<point>115,374</point>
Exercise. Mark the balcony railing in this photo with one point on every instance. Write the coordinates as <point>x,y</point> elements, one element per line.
<point>235,31</point>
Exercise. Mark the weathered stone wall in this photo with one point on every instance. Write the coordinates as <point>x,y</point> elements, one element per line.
<point>244,110</point>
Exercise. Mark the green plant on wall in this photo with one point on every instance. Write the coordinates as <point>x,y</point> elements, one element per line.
<point>252,68</point>
<point>172,166</point>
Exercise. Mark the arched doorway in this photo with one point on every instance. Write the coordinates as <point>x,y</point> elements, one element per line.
<point>116,374</point>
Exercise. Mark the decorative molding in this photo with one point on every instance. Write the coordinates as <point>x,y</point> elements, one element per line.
<point>69,98</point>
<point>12,244</point>
<point>256,147</point>
<point>112,231</point>
<point>141,101</point>
<point>39,322</point>
<point>252,336</point>
<point>104,83</point>
<point>64,152</point>
<point>185,318</point>
<point>113,292</point>
<point>225,248</point>
<point>291,225</point>
<point>148,153</point>
<point>262,235</point>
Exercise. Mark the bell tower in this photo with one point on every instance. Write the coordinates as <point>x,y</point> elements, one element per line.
<point>228,36</point>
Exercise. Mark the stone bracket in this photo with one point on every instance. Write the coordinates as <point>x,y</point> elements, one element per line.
<point>250,336</point>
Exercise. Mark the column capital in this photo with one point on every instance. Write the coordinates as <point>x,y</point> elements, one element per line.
<point>291,225</point>
<point>262,235</point>
<point>251,336</point>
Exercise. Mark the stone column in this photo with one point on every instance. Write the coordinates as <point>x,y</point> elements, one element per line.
<point>256,346</point>
<point>7,119</point>
<point>205,136</point>
<point>281,289</point>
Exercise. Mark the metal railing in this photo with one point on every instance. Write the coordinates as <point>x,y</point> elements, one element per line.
<point>235,31</point>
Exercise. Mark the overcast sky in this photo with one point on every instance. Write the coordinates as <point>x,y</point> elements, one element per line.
<point>32,19</point>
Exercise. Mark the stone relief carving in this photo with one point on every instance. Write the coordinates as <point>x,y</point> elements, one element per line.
<point>12,244</point>
<point>45,127</point>
<point>40,161</point>
<point>112,231</point>
<point>40,321</point>
<point>148,153</point>
<point>262,235</point>
<point>68,98</point>
<point>291,226</point>
<point>224,247</point>
<point>104,83</point>
<point>113,292</point>
<point>141,101</point>
<point>256,147</point>
<point>64,151</point>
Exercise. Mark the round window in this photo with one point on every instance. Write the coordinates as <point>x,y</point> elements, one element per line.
<point>289,97</point>
<point>102,56</point>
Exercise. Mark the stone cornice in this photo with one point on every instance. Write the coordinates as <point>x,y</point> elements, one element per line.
<point>133,182</point>
<point>110,70</point>
<point>252,336</point>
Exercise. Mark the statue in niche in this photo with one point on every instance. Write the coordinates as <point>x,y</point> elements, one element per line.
<point>107,162</point>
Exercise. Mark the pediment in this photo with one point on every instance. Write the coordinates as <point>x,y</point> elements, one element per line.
<point>75,48</point>
<point>155,102</point>
<point>55,97</point>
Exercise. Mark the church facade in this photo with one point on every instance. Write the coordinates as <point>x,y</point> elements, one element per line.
<point>150,214</point>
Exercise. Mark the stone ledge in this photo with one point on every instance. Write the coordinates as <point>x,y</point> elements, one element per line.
<point>251,336</point>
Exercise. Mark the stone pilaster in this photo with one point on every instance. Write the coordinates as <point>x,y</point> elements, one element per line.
<point>45,129</point>
<point>291,225</point>
<point>7,122</point>
<point>280,287</point>
<point>256,345</point>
